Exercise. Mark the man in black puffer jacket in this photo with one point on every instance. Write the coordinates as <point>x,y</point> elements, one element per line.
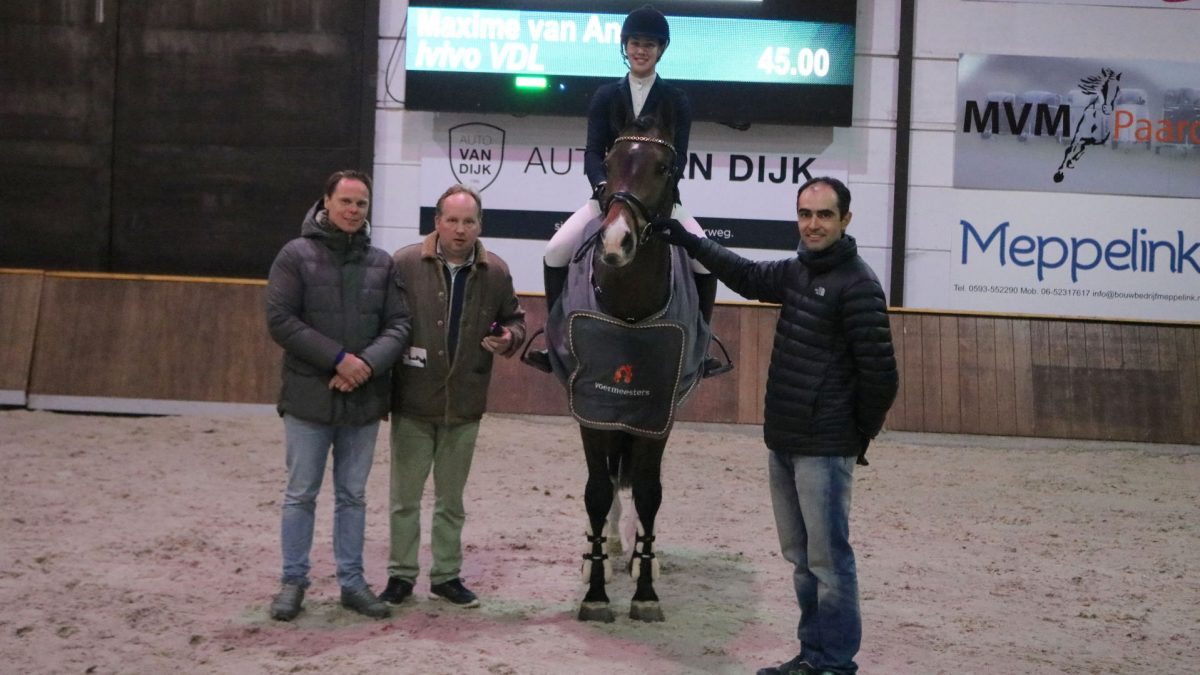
<point>831,381</point>
<point>335,306</point>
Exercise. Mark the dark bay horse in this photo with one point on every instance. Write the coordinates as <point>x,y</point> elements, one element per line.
<point>632,283</point>
<point>631,274</point>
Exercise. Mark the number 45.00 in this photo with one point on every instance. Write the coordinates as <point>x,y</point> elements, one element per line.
<point>778,61</point>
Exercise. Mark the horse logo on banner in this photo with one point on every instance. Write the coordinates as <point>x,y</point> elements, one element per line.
<point>1097,93</point>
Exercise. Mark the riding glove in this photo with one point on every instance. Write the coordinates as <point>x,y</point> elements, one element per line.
<point>673,232</point>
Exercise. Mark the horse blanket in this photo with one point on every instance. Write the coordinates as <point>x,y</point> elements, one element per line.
<point>622,375</point>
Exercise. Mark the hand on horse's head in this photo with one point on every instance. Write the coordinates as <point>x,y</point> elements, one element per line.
<point>673,232</point>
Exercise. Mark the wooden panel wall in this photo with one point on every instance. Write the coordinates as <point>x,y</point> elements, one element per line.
<point>191,340</point>
<point>1047,377</point>
<point>175,340</point>
<point>19,296</point>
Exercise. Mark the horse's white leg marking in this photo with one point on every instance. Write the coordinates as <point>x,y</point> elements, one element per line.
<point>612,526</point>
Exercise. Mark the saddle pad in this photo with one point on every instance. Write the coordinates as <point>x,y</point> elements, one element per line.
<point>626,375</point>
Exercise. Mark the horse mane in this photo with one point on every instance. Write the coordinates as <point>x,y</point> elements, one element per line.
<point>1091,84</point>
<point>644,123</point>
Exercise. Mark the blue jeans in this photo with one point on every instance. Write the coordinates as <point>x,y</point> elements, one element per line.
<point>308,446</point>
<point>811,500</point>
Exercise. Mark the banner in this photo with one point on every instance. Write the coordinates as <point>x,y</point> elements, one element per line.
<point>1105,126</point>
<point>531,180</point>
<point>1145,4</point>
<point>1116,258</point>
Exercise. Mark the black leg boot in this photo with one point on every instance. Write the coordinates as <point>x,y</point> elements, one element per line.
<point>555,278</point>
<point>706,288</point>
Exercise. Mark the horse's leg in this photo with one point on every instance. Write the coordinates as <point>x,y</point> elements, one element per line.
<point>647,497</point>
<point>597,498</point>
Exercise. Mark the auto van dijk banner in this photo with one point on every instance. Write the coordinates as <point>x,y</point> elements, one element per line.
<point>531,178</point>
<point>1113,266</point>
<point>1105,126</point>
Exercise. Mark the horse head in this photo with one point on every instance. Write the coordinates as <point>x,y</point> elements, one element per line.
<point>641,186</point>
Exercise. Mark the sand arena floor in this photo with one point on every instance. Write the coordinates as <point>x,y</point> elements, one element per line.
<point>150,545</point>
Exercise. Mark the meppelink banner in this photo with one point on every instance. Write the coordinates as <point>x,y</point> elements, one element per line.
<point>1103,257</point>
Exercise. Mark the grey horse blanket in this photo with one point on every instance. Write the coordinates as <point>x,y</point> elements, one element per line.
<point>621,375</point>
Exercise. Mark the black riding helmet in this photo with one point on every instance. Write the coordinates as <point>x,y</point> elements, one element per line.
<point>648,22</point>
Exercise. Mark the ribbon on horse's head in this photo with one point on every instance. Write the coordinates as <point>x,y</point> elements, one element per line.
<point>632,200</point>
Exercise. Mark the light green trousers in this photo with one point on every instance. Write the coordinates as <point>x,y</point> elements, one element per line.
<point>418,446</point>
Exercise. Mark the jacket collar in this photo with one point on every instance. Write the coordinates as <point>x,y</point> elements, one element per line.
<point>838,252</point>
<point>429,250</point>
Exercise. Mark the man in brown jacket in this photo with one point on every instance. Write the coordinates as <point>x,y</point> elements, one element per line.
<point>464,312</point>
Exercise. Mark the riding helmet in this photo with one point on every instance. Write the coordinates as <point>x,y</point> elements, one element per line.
<point>649,22</point>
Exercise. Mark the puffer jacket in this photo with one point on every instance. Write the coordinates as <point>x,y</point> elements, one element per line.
<point>442,391</point>
<point>330,291</point>
<point>833,373</point>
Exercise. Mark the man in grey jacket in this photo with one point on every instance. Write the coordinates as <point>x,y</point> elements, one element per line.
<point>334,305</point>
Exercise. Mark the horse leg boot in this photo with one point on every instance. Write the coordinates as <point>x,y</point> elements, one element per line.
<point>554,278</point>
<point>596,571</point>
<point>643,567</point>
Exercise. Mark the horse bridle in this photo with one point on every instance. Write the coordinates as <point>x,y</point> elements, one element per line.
<point>628,198</point>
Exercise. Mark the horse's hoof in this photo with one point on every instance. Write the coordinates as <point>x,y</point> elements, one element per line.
<point>646,610</point>
<point>596,611</point>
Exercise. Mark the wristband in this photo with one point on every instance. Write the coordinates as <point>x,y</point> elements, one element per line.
<point>337,360</point>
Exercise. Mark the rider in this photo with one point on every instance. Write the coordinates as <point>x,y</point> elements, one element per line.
<point>644,37</point>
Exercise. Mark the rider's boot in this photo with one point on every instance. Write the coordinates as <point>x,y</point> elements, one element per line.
<point>555,278</point>
<point>706,288</point>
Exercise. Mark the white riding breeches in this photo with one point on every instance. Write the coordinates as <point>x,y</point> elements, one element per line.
<point>569,236</point>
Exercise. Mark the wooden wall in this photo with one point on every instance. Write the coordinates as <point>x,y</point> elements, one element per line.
<point>1047,377</point>
<point>189,145</point>
<point>19,293</point>
<point>205,340</point>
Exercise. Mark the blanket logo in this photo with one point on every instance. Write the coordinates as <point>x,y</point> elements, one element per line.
<point>623,374</point>
<point>476,154</point>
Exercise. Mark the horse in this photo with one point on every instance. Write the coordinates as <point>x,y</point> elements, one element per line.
<point>631,280</point>
<point>1093,125</point>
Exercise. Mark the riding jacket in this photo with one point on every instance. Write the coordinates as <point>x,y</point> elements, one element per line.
<point>606,119</point>
<point>833,372</point>
<point>329,292</point>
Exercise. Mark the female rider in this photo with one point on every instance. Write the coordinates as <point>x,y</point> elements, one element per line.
<point>644,37</point>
